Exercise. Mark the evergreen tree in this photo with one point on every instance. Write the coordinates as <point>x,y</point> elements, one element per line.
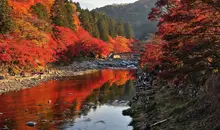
<point>69,14</point>
<point>101,26</point>
<point>85,20</point>
<point>106,21</point>
<point>78,8</point>
<point>112,28</point>
<point>95,17</point>
<point>103,31</point>
<point>41,11</point>
<point>121,31</point>
<point>58,13</point>
<point>128,31</point>
<point>5,18</point>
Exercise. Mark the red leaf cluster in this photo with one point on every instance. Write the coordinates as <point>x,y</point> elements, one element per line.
<point>24,53</point>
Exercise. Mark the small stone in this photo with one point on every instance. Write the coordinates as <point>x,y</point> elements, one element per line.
<point>38,114</point>
<point>26,110</point>
<point>31,123</point>
<point>5,128</point>
<point>44,121</point>
<point>91,104</point>
<point>1,113</point>
<point>49,101</point>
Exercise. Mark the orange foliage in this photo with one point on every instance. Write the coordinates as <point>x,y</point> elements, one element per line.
<point>33,44</point>
<point>152,55</point>
<point>22,7</point>
<point>76,21</point>
<point>120,44</point>
<point>79,43</point>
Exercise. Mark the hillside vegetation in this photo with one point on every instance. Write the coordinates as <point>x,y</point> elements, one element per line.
<point>136,14</point>
<point>34,33</point>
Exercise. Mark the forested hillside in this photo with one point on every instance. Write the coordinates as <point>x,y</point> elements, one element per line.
<point>34,33</point>
<point>136,14</point>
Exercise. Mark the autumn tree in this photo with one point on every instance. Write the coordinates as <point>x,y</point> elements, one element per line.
<point>5,17</point>
<point>190,31</point>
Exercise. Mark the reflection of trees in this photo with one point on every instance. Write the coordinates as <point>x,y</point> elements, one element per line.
<point>129,89</point>
<point>109,93</point>
<point>69,98</point>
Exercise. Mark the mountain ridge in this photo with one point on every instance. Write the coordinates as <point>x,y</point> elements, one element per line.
<point>135,13</point>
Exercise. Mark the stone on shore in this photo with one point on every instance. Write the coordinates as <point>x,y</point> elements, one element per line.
<point>31,123</point>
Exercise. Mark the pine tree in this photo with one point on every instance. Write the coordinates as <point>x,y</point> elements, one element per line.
<point>112,28</point>
<point>85,20</point>
<point>103,31</point>
<point>95,17</point>
<point>5,18</point>
<point>69,14</point>
<point>121,31</point>
<point>128,31</point>
<point>58,13</point>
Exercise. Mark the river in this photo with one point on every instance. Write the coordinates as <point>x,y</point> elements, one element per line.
<point>89,102</point>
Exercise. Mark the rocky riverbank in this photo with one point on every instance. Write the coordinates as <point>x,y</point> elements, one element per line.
<point>159,105</point>
<point>18,82</point>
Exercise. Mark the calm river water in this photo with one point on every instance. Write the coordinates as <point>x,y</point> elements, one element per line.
<point>89,102</point>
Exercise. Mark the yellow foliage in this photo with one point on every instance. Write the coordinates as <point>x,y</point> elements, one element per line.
<point>74,7</point>
<point>30,32</point>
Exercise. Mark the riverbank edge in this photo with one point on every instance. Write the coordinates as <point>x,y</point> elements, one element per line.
<point>160,105</point>
<point>16,83</point>
<point>21,83</point>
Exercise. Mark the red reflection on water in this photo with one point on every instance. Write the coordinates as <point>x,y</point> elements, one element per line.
<point>34,104</point>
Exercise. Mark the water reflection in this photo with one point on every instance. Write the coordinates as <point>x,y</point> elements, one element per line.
<point>92,102</point>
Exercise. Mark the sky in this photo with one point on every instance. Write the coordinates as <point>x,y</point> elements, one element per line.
<point>92,4</point>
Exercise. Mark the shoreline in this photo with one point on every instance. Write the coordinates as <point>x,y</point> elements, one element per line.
<point>75,69</point>
<point>163,106</point>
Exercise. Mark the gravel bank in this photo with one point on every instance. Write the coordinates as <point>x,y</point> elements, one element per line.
<point>17,83</point>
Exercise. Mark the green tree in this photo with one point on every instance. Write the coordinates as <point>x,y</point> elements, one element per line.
<point>121,31</point>
<point>58,13</point>
<point>112,28</point>
<point>41,11</point>
<point>103,31</point>
<point>95,16</point>
<point>69,14</point>
<point>85,20</point>
<point>5,17</point>
<point>128,31</point>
